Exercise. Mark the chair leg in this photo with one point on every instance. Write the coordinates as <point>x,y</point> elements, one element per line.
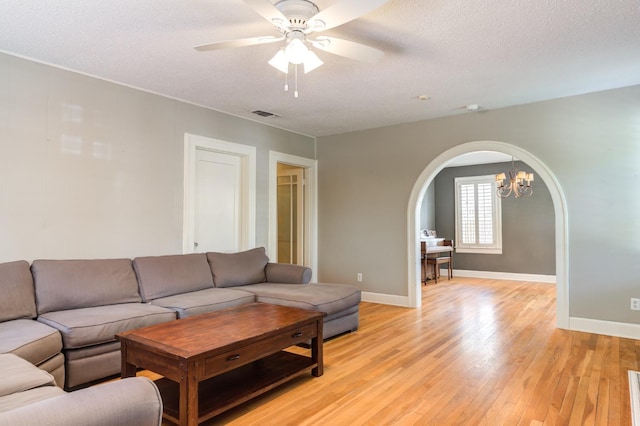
<point>435,272</point>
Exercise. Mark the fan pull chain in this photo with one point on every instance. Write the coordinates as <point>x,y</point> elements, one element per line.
<point>295,92</point>
<point>286,82</point>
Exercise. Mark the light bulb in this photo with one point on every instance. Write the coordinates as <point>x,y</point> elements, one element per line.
<point>296,51</point>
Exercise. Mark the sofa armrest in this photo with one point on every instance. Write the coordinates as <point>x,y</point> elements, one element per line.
<point>286,273</point>
<point>132,401</point>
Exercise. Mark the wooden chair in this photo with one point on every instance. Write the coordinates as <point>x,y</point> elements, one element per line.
<point>435,262</point>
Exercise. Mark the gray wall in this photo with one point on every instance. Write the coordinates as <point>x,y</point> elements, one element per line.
<point>528,227</point>
<point>591,143</point>
<point>90,168</point>
<point>428,210</point>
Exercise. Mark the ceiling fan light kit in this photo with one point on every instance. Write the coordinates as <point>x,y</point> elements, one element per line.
<point>298,19</point>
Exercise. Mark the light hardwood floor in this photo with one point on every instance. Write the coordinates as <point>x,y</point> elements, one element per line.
<point>478,352</point>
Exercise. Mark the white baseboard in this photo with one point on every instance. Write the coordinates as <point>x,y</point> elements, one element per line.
<point>608,328</point>
<point>387,299</point>
<point>551,279</point>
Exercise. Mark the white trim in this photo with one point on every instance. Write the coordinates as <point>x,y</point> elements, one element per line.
<point>634,394</point>
<point>496,216</point>
<point>478,250</point>
<point>549,279</point>
<point>311,206</point>
<point>247,156</point>
<point>386,299</point>
<point>608,328</point>
<point>560,210</point>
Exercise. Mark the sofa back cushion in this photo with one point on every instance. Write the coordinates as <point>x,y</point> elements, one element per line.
<point>233,269</point>
<point>162,276</point>
<point>74,284</point>
<point>16,287</point>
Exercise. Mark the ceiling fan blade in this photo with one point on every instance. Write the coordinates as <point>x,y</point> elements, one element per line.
<point>348,49</point>
<point>269,12</point>
<point>241,42</point>
<point>342,12</point>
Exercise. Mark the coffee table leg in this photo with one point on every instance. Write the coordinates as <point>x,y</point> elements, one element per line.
<point>126,369</point>
<point>188,397</point>
<point>317,350</point>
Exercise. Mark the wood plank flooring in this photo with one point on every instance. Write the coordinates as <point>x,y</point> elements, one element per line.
<point>478,352</point>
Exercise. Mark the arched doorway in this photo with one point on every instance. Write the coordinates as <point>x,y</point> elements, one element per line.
<point>559,204</point>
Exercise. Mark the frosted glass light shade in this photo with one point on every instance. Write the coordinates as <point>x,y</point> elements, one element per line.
<point>280,61</point>
<point>311,61</point>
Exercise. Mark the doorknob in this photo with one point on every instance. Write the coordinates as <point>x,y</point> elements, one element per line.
<point>195,244</point>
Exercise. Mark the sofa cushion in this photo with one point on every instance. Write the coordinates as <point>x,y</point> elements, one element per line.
<point>203,301</point>
<point>328,298</point>
<point>30,340</point>
<point>16,287</point>
<point>22,399</point>
<point>233,269</point>
<point>71,284</point>
<point>161,276</point>
<point>19,375</point>
<point>92,326</point>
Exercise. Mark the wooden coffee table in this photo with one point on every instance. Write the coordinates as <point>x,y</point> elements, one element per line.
<point>215,361</point>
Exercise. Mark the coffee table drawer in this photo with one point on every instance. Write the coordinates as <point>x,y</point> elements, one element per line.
<point>252,352</point>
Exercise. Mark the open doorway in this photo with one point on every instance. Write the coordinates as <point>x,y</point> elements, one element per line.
<point>293,210</point>
<point>508,238</point>
<point>560,216</point>
<point>291,214</point>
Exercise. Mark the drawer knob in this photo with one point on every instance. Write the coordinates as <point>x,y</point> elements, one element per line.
<point>298,334</point>
<point>233,357</point>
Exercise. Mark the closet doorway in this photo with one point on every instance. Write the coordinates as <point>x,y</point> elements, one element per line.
<point>291,214</point>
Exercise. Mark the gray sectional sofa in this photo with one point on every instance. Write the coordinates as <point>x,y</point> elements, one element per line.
<point>62,315</point>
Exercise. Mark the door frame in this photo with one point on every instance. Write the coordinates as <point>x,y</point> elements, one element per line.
<point>560,211</point>
<point>247,155</point>
<point>310,207</point>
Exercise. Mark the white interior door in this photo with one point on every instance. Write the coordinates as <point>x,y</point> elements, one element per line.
<point>218,202</point>
<point>219,195</point>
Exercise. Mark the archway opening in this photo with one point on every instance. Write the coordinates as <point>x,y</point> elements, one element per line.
<point>560,212</point>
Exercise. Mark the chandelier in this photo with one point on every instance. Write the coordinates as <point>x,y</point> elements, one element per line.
<point>516,184</point>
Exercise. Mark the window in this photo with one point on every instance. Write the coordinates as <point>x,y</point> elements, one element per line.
<point>478,215</point>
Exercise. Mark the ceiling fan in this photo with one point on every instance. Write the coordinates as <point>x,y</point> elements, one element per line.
<point>297,21</point>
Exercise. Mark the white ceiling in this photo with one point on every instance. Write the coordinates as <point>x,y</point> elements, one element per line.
<point>494,53</point>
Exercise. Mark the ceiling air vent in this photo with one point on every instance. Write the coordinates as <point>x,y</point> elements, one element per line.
<point>264,113</point>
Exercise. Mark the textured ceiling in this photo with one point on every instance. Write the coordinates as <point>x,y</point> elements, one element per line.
<point>494,53</point>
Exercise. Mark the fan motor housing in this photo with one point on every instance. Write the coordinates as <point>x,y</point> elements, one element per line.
<point>297,11</point>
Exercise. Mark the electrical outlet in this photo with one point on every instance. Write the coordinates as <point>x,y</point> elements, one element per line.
<point>635,304</point>
<point>359,277</point>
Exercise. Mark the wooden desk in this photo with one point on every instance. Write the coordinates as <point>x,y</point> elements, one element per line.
<point>433,249</point>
